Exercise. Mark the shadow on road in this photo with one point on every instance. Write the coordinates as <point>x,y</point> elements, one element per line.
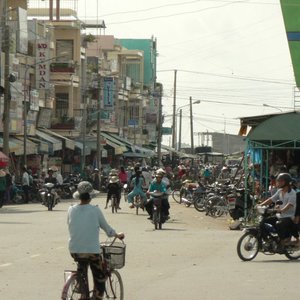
<point>283,261</point>
<point>16,210</point>
<point>15,223</point>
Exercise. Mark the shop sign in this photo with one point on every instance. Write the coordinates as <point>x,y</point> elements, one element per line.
<point>43,64</point>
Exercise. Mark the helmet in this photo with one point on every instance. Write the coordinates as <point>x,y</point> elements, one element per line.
<point>286,177</point>
<point>85,187</point>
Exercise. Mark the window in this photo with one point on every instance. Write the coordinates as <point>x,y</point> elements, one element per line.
<point>62,105</point>
<point>64,50</point>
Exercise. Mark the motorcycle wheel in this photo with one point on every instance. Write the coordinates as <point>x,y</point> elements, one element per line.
<point>293,255</point>
<point>199,204</point>
<point>159,221</point>
<point>114,205</point>
<point>176,196</point>
<point>247,247</point>
<point>155,219</point>
<point>50,203</point>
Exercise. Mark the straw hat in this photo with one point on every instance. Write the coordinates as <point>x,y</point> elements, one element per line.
<point>2,173</point>
<point>114,179</point>
<point>83,188</point>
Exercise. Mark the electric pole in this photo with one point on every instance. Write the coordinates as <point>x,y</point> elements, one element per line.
<point>7,96</point>
<point>99,125</point>
<point>174,111</point>
<point>192,128</point>
<point>180,128</point>
<point>159,132</point>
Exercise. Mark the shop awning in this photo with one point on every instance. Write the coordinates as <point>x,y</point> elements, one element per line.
<point>70,144</point>
<point>31,147</point>
<point>284,127</point>
<point>135,155</point>
<point>80,146</point>
<point>43,147</point>
<point>55,144</point>
<point>14,146</point>
<point>114,142</point>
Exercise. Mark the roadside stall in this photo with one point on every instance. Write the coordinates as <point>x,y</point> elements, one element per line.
<point>272,147</point>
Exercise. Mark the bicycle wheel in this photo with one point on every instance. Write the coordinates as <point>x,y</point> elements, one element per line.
<point>70,290</point>
<point>114,288</point>
<point>176,196</point>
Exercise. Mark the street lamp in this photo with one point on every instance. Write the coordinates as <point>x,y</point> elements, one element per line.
<point>275,107</point>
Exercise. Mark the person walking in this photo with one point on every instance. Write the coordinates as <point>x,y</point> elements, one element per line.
<point>2,187</point>
<point>25,184</point>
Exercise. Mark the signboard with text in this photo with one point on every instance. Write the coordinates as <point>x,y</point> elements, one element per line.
<point>43,65</point>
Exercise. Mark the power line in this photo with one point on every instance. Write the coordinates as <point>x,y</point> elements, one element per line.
<point>257,79</point>
<point>178,14</point>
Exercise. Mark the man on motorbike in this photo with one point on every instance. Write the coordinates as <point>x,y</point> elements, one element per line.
<point>84,222</point>
<point>285,194</point>
<point>159,186</point>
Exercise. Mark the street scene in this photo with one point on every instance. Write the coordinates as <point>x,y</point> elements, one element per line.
<point>149,150</point>
<point>193,257</point>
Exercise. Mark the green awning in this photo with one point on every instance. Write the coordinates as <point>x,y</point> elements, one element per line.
<point>285,127</point>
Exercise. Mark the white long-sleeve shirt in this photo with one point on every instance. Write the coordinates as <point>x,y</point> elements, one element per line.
<point>84,222</point>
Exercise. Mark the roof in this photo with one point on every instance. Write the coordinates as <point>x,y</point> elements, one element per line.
<point>283,127</point>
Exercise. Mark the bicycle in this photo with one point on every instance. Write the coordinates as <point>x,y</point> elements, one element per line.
<point>76,285</point>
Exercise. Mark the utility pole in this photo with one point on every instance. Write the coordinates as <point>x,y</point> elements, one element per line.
<point>84,120</point>
<point>99,125</point>
<point>159,132</point>
<point>7,95</point>
<point>174,111</point>
<point>180,129</point>
<point>192,128</point>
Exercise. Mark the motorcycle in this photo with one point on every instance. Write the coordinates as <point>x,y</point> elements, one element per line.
<point>158,218</point>
<point>264,238</point>
<point>48,195</point>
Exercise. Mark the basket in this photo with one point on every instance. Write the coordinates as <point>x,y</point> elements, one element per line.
<point>114,254</point>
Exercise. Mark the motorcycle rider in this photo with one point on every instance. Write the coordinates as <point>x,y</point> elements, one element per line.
<point>84,224</point>
<point>158,185</point>
<point>51,179</point>
<point>287,209</point>
<point>114,188</point>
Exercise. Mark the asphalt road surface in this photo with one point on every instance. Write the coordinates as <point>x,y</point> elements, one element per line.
<point>193,257</point>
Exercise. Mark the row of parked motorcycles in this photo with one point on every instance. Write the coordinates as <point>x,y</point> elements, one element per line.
<point>215,200</point>
<point>46,193</point>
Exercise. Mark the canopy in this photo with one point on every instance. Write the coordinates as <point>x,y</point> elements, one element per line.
<point>284,127</point>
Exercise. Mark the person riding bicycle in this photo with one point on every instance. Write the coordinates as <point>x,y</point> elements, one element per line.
<point>84,223</point>
<point>113,188</point>
<point>287,209</point>
<point>158,186</point>
<point>137,182</point>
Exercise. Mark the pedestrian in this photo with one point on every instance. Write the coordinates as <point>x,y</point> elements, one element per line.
<point>2,187</point>
<point>123,176</point>
<point>84,222</point>
<point>25,184</point>
<point>9,186</point>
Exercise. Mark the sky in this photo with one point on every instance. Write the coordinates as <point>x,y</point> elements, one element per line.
<point>232,55</point>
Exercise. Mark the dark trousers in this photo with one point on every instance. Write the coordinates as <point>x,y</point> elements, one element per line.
<point>95,262</point>
<point>2,198</point>
<point>285,226</point>
<point>165,207</point>
<point>26,193</point>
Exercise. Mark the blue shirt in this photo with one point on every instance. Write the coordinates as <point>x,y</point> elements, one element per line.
<point>154,186</point>
<point>84,222</point>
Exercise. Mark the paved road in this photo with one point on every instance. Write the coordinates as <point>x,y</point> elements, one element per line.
<point>194,257</point>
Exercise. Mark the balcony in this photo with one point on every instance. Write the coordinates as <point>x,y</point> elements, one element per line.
<point>60,67</point>
<point>63,123</point>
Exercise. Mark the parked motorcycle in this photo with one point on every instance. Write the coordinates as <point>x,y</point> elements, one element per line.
<point>49,196</point>
<point>264,238</point>
<point>158,218</point>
